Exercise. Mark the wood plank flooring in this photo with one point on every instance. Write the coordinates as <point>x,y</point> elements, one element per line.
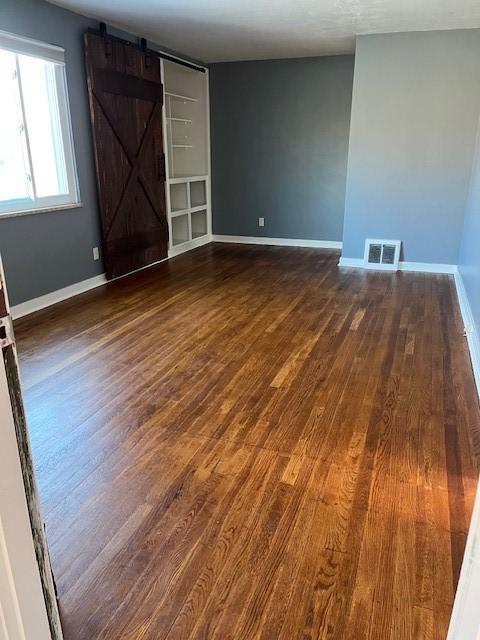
<point>251,443</point>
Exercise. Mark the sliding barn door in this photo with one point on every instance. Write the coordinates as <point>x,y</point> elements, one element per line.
<point>126,97</point>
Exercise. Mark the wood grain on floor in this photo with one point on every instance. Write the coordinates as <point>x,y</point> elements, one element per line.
<point>251,443</point>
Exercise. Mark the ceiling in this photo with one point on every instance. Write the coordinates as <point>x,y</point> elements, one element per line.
<point>221,30</point>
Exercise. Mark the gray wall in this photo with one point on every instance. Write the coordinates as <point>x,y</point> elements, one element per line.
<point>279,132</point>
<point>416,100</point>
<point>469,257</point>
<point>48,251</point>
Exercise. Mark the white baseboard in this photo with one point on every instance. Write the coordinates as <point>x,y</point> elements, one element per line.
<point>464,620</point>
<point>30,306</point>
<point>429,267</point>
<point>357,263</point>
<point>422,267</point>
<point>188,246</point>
<point>42,302</point>
<point>471,330</point>
<point>279,242</point>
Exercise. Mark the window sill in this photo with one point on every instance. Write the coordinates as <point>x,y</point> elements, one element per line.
<point>29,212</point>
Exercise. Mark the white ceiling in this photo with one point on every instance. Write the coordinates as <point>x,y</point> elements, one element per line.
<point>220,30</point>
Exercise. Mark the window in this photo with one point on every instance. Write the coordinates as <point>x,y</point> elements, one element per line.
<point>37,167</point>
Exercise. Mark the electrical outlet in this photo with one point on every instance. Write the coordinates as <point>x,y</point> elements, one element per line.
<point>261,222</point>
<point>96,253</point>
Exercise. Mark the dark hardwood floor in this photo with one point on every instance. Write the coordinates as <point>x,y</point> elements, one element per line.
<point>250,443</point>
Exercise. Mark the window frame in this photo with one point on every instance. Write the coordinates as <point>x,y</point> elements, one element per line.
<point>56,56</point>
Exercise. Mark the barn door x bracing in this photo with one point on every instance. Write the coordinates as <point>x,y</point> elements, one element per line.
<point>126,97</point>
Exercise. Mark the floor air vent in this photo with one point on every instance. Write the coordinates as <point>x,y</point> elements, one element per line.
<point>382,254</point>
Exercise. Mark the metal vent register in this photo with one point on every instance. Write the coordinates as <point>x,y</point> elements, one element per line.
<point>382,254</point>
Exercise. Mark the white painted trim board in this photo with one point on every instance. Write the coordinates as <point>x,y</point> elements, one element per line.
<point>189,245</point>
<point>49,299</point>
<point>471,330</point>
<point>422,267</point>
<point>464,623</point>
<point>36,304</point>
<point>279,242</point>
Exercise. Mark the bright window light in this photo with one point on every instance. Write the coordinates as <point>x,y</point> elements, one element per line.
<point>37,169</point>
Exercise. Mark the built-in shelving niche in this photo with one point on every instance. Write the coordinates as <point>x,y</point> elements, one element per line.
<point>187,153</point>
<point>199,223</point>
<point>198,193</point>
<point>178,197</point>
<point>180,229</point>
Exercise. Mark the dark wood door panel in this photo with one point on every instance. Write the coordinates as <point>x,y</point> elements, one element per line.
<point>126,95</point>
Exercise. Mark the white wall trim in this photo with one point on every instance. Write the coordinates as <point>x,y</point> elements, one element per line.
<point>464,622</point>
<point>422,267</point>
<point>351,262</point>
<point>36,304</point>
<point>471,331</point>
<point>279,242</point>
<point>47,300</point>
<point>189,245</point>
<point>427,267</point>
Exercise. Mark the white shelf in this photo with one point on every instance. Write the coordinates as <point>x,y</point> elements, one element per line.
<point>181,179</point>
<point>182,146</point>
<point>201,207</point>
<point>185,120</point>
<point>182,212</point>
<point>179,242</point>
<point>177,96</point>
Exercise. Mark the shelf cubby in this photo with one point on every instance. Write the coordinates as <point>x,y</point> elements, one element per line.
<point>180,229</point>
<point>185,179</point>
<point>198,193</point>
<point>178,197</point>
<point>199,224</point>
